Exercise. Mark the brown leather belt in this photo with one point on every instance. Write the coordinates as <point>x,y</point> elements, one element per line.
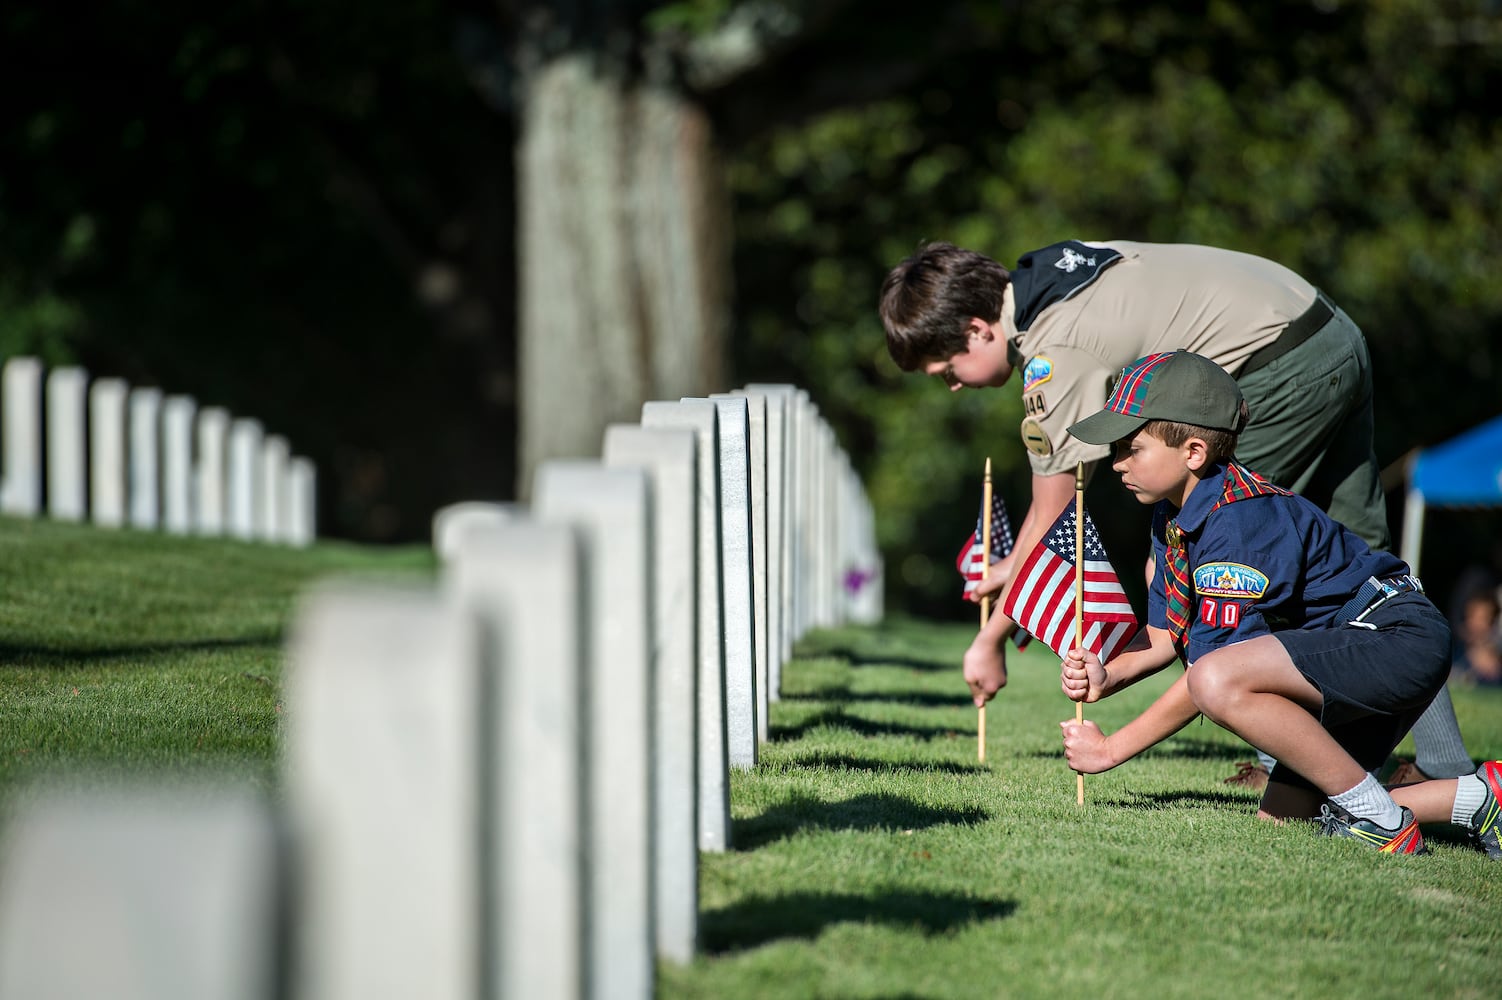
<point>1300,329</point>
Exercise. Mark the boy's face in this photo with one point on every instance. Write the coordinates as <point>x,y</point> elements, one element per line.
<point>1152,470</point>
<point>983,363</point>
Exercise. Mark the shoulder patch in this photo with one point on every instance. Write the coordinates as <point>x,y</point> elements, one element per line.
<point>1227,579</point>
<point>1038,371</point>
<point>1035,438</point>
<point>1034,405</point>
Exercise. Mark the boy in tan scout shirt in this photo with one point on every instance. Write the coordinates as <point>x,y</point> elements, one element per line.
<point>1070,316</point>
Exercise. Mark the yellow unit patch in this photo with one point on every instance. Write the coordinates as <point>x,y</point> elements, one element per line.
<point>1035,438</point>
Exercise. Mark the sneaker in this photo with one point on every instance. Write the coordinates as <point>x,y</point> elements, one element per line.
<point>1406,839</point>
<point>1486,823</point>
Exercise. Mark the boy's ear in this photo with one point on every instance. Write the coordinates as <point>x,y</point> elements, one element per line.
<point>1197,453</point>
<point>978,327</point>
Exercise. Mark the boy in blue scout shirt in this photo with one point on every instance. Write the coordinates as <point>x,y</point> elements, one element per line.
<point>1297,636</point>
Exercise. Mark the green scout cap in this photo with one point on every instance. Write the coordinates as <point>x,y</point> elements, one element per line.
<point>1178,385</point>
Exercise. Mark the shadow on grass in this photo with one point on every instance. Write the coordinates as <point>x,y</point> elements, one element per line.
<point>804,915</point>
<point>862,656</point>
<point>862,812</point>
<point>836,718</point>
<point>1182,749</point>
<point>1196,799</point>
<point>920,699</point>
<point>846,762</point>
<point>56,657</point>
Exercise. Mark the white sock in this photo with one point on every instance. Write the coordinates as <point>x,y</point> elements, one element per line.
<point>1470,792</point>
<point>1369,800</point>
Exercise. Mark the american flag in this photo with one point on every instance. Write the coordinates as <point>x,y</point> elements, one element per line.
<point>971,560</point>
<point>1041,598</point>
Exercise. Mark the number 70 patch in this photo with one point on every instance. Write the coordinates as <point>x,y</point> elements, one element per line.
<point>1220,614</point>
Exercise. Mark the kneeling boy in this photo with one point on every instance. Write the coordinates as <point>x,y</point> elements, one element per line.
<point>1298,637</point>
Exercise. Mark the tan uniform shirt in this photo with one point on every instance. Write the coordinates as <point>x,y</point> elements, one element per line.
<point>1158,297</point>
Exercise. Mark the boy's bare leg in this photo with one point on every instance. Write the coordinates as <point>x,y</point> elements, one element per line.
<point>1431,801</point>
<point>1253,689</point>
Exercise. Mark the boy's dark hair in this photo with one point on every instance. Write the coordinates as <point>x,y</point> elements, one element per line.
<point>928,299</point>
<point>1220,446</point>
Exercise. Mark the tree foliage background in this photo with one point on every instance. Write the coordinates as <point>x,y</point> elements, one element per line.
<point>305,211</point>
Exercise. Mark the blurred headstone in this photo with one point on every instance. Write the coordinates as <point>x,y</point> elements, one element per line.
<point>243,482</point>
<point>67,443</point>
<point>178,413</point>
<point>107,397</point>
<point>144,487</point>
<point>668,455</point>
<point>209,508</point>
<point>383,782</point>
<point>610,509</point>
<point>22,391</point>
<point>522,578</point>
<point>141,893</point>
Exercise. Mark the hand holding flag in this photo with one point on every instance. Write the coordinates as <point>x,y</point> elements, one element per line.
<point>971,562</point>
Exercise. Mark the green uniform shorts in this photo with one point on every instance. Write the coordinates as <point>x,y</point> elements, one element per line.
<point>1310,427</point>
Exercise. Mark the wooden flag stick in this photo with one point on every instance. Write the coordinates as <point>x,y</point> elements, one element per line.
<point>985,602</point>
<point>1079,601</point>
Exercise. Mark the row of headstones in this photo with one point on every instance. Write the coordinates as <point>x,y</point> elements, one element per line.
<point>116,456</point>
<point>499,785</point>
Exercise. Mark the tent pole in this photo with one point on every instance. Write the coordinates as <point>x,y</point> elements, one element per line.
<point>1413,528</point>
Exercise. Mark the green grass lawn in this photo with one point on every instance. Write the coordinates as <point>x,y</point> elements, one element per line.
<point>873,857</point>
<point>135,650</point>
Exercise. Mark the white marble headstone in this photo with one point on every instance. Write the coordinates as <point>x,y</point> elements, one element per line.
<point>22,391</point>
<point>302,502</point>
<point>701,417</point>
<point>452,523</point>
<point>209,507</point>
<point>779,596</point>
<point>178,413</point>
<point>107,435</point>
<point>384,781</point>
<point>145,458</point>
<point>244,476</point>
<point>611,510</point>
<point>67,443</point>
<point>669,456</point>
<point>523,579</point>
<point>274,490</point>
<point>739,605</point>
<point>141,893</point>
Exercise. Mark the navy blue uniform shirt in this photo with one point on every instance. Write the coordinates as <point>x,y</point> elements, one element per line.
<point>1260,565</point>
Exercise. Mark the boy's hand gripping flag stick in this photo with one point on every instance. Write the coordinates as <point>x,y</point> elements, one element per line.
<point>985,602</point>
<point>1079,601</point>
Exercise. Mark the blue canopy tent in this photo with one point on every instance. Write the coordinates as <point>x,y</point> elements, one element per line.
<point>1465,471</point>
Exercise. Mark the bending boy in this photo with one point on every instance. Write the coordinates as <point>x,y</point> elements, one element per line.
<point>1298,637</point>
